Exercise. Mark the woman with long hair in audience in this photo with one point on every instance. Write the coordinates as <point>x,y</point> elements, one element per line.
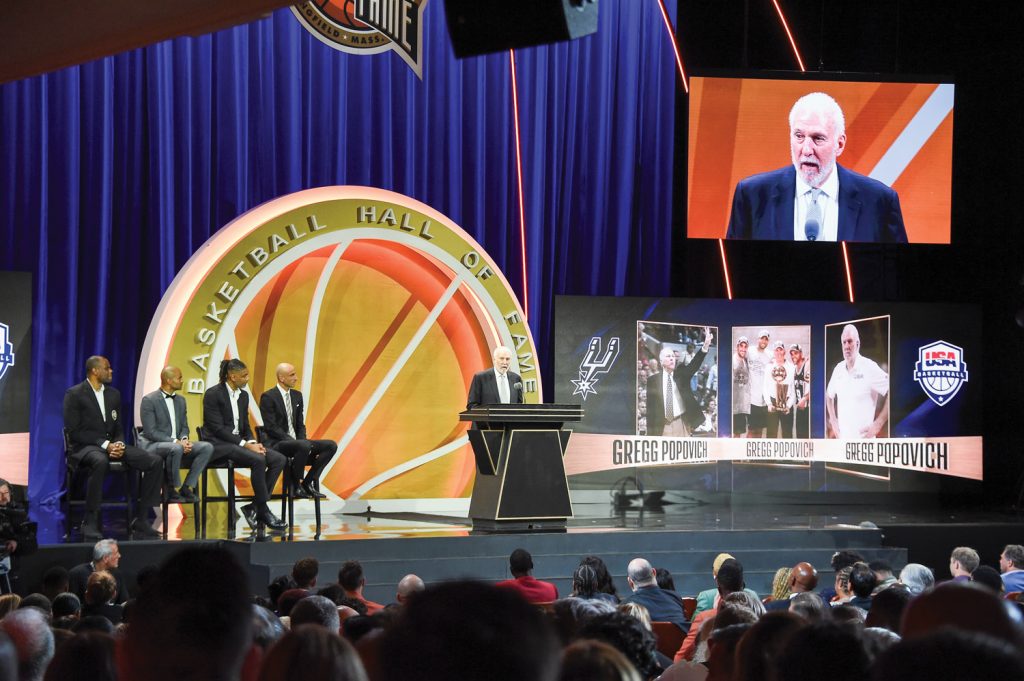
<point>309,652</point>
<point>585,585</point>
<point>9,603</point>
<point>780,584</point>
<point>596,661</point>
<point>604,582</point>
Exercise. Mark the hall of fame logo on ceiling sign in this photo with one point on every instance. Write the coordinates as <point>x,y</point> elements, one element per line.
<point>940,371</point>
<point>368,26</point>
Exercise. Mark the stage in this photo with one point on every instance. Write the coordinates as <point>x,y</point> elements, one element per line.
<point>684,538</point>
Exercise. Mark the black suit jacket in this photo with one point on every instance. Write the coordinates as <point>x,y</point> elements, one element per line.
<point>484,389</point>
<point>275,416</point>
<point>82,418</point>
<point>218,421</point>
<point>692,414</point>
<point>762,208</point>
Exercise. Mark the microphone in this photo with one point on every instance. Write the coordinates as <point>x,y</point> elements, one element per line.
<point>812,228</point>
<point>519,387</point>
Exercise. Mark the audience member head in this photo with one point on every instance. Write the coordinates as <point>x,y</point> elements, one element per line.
<point>288,600</point>
<point>55,581</point>
<point>354,628</point>
<point>266,626</point>
<point>717,562</point>
<point>234,372</point>
<point>407,586</point>
<point>312,653</point>
<point>605,583</point>
<point>964,606</point>
<point>863,580</point>
<point>584,581</point>
<point>1012,558</point>
<point>32,638</point>
<point>842,585</point>
<point>950,655</point>
<point>520,563</point>
<point>730,577</point>
<point>877,640</point>
<point>100,588</point>
<point>762,644</point>
<point>722,651</point>
<point>316,610</point>
<point>780,584</point>
<point>729,614</point>
<point>917,578</point>
<point>810,606</point>
<point>988,576</point>
<point>569,614</point>
<point>497,633</point>
<point>196,627</point>
<point>279,585</point>
<point>350,576</point>
<point>841,559</point>
<point>66,605</point>
<point>664,579</point>
<point>640,574</point>
<point>105,554</point>
<point>84,657</point>
<point>825,650</point>
<point>596,661</point>
<point>93,624</point>
<point>847,613</point>
<point>9,603</point>
<point>887,607</point>
<point>39,602</point>
<point>746,600</point>
<point>333,592</point>
<point>304,572</point>
<point>803,578</point>
<point>626,635</point>
<point>963,561</point>
<point>882,569</point>
<point>353,604</point>
<point>641,613</point>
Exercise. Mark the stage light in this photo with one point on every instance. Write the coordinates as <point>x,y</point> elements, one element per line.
<point>519,179</point>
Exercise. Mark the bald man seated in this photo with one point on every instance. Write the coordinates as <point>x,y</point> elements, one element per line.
<point>802,579</point>
<point>285,427</point>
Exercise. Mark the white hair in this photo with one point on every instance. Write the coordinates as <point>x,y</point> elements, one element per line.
<point>820,102</point>
<point>103,548</point>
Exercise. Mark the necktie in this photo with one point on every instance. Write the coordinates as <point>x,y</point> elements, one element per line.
<point>503,388</point>
<point>670,402</point>
<point>288,408</point>
<point>812,228</point>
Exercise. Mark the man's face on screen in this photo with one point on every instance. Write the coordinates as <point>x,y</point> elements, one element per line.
<point>668,360</point>
<point>762,342</point>
<point>741,350</point>
<point>815,146</point>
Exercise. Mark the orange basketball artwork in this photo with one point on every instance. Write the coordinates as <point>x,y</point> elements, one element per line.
<point>898,133</point>
<point>385,307</point>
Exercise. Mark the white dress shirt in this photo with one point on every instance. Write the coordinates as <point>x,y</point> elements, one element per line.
<point>103,407</point>
<point>504,394</point>
<point>233,399</point>
<point>828,200</point>
<point>174,419</point>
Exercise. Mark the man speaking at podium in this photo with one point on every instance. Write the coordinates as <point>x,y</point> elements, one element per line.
<point>497,385</point>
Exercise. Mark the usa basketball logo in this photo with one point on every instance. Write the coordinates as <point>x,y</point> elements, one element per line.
<point>595,363</point>
<point>940,371</point>
<point>6,350</point>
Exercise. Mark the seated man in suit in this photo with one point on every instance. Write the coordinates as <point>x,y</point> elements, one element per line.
<point>92,419</point>
<point>285,427</point>
<point>497,385</point>
<point>663,605</point>
<point>226,426</point>
<point>165,433</point>
<point>815,199</point>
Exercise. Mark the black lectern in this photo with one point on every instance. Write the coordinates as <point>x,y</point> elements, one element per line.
<point>520,481</point>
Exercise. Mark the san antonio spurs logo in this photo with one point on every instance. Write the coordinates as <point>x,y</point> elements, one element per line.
<point>6,350</point>
<point>595,363</point>
<point>940,371</point>
<point>367,26</point>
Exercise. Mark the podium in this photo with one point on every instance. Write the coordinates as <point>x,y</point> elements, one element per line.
<point>520,481</point>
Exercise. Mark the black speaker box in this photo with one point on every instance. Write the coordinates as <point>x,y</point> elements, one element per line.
<point>482,26</point>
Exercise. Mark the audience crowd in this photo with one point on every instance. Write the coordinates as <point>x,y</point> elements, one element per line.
<point>193,618</point>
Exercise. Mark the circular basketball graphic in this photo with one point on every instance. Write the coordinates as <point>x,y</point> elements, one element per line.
<point>386,309</point>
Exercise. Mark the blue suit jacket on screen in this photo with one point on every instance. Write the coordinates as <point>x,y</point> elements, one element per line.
<point>762,208</point>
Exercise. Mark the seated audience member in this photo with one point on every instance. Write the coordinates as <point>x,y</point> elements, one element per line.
<point>55,581</point>
<point>665,579</point>
<point>877,640</point>
<point>497,636</point>
<point>663,606</point>
<point>407,587</point>
<point>66,605</point>
<point>596,661</point>
<point>962,562</point>
<point>638,611</point>
<point>312,653</point>
<point>917,578</point>
<point>93,624</point>
<point>355,628</point>
<point>304,573</point>
<point>316,610</point>
<point>730,580</point>
<point>847,613</point>
<point>1011,564</point>
<point>266,626</point>
<point>821,651</point>
<point>333,592</point>
<point>628,636</point>
<point>99,596</point>
<point>780,584</point>
<point>33,640</point>
<point>802,578</point>
<point>809,606</point>
<point>9,603</point>
<point>883,574</point>
<point>708,598</point>
<point>287,601</point>
<point>352,580</point>
<point>279,585</point>
<point>842,594</point>
<point>762,643</point>
<point>722,651</point>
<point>989,577</point>
<point>358,606</point>
<point>887,608</point>
<point>605,583</point>
<point>569,614</point>
<point>39,602</point>
<point>106,555</point>
<point>585,585</point>
<point>950,655</point>
<point>840,560</point>
<point>963,606</point>
<point>84,657</point>
<point>520,564</point>
<point>198,628</point>
<point>862,583</point>
<point>745,600</point>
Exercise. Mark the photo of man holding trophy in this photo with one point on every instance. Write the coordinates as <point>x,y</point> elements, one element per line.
<point>779,395</point>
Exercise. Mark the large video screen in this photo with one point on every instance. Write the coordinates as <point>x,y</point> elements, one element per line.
<point>829,395</point>
<point>809,159</point>
<point>15,375</point>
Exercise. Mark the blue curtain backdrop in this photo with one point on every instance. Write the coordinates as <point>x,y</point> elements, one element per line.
<point>114,172</point>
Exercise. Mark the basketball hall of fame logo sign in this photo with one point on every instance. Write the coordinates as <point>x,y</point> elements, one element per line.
<point>940,371</point>
<point>367,26</point>
<point>385,307</point>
